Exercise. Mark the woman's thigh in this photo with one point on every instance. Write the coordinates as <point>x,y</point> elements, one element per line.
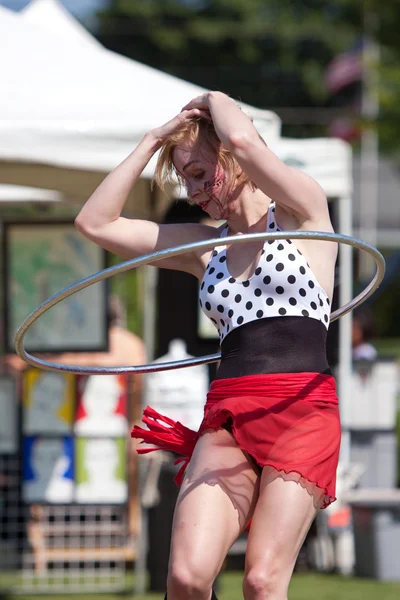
<point>284,513</point>
<point>215,503</point>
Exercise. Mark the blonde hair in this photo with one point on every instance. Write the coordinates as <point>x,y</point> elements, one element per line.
<point>195,132</point>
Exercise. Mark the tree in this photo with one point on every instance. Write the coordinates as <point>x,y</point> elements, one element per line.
<point>270,54</point>
<point>229,45</point>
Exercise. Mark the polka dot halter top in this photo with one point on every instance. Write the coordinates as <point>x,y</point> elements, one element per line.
<point>282,285</point>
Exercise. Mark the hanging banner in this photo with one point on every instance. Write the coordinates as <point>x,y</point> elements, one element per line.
<point>48,401</point>
<point>101,470</point>
<point>48,469</point>
<point>102,405</point>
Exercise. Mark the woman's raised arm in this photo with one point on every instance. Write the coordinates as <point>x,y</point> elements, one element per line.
<point>100,218</point>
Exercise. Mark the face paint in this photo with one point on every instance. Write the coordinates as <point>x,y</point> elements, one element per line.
<point>213,189</point>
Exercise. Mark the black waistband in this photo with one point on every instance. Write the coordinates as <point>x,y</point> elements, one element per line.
<point>274,345</point>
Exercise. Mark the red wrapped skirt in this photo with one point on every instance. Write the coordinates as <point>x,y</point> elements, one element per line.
<point>287,422</point>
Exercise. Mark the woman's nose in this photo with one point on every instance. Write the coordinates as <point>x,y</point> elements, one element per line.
<point>193,190</point>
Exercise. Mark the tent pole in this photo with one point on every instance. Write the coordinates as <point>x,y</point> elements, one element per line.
<point>149,325</point>
<point>345,327</point>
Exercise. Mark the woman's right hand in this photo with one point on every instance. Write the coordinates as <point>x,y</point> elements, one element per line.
<point>160,134</point>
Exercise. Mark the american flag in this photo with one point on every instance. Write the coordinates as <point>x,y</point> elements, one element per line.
<point>345,69</point>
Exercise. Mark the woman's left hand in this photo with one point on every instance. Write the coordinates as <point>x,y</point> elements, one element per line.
<point>200,102</point>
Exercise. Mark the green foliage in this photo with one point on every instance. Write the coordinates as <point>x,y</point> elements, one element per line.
<point>271,54</point>
<point>225,44</point>
<point>385,303</point>
<point>129,287</point>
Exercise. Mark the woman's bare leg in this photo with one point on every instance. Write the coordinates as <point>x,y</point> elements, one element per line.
<point>281,520</point>
<point>215,503</point>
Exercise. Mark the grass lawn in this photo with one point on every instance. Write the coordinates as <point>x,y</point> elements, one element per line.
<point>303,587</point>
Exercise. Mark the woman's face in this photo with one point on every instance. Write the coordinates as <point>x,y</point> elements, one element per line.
<point>207,184</point>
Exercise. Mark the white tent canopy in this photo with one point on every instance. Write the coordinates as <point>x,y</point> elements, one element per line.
<point>71,103</point>
<point>75,104</point>
<point>19,193</point>
<point>328,161</point>
<point>52,15</point>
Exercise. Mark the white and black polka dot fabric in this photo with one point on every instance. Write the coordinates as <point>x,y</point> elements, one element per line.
<point>282,285</point>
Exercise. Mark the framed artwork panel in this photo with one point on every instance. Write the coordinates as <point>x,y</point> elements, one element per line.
<point>100,468</point>
<point>40,260</point>
<point>49,401</point>
<point>48,469</point>
<point>9,411</point>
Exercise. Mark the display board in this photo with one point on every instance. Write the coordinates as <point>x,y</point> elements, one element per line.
<point>48,402</point>
<point>48,469</point>
<point>64,523</point>
<point>8,415</point>
<point>102,405</point>
<point>74,438</point>
<point>101,470</point>
<point>40,260</point>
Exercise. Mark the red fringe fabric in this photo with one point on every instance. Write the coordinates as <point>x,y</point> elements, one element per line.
<point>166,434</point>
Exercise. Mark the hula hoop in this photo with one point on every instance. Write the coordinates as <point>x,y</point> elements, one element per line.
<point>176,251</point>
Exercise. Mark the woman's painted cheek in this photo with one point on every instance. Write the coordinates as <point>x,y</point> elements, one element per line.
<point>213,187</point>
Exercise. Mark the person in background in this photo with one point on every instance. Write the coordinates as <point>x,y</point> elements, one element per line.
<point>363,331</point>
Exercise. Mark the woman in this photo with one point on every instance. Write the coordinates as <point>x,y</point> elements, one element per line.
<point>268,447</point>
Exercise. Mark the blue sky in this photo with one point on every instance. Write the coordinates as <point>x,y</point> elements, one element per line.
<point>79,8</point>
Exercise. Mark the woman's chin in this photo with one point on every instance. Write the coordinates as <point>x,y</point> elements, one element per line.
<point>216,212</point>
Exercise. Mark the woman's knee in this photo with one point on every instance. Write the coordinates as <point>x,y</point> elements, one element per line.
<point>265,582</point>
<point>189,581</point>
